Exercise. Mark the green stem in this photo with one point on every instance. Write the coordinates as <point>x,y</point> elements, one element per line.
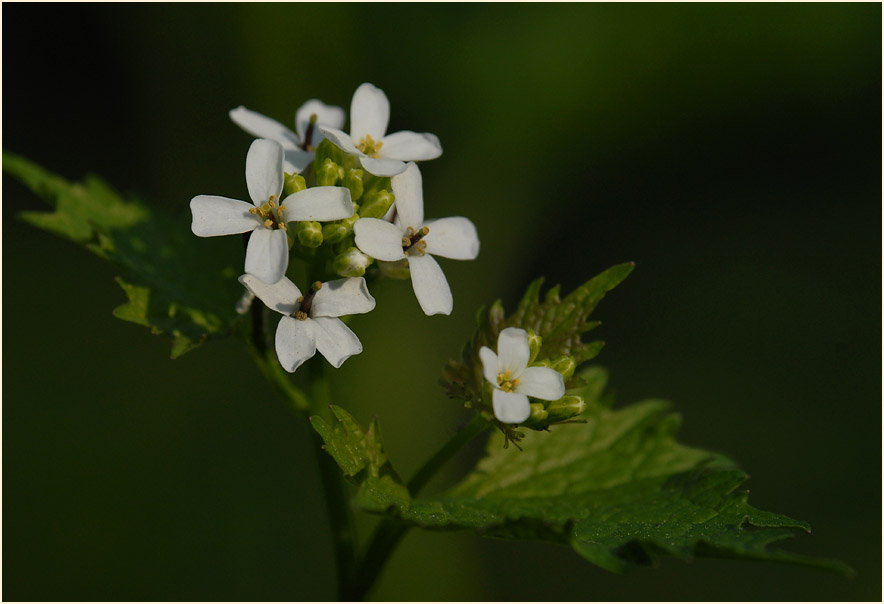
<point>391,530</point>
<point>337,498</point>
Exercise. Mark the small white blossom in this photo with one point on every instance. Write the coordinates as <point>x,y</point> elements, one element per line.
<point>267,254</point>
<point>380,153</point>
<point>299,146</point>
<point>309,321</point>
<point>513,380</point>
<point>418,241</point>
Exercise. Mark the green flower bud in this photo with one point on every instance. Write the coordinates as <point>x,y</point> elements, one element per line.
<point>294,183</point>
<point>353,181</point>
<point>534,342</point>
<point>351,263</point>
<point>327,150</point>
<point>373,184</point>
<point>309,233</point>
<point>376,204</point>
<point>333,232</point>
<point>566,366</point>
<point>565,408</point>
<point>328,173</point>
<point>537,419</point>
<point>337,231</point>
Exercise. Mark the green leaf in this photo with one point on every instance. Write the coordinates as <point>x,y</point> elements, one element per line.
<point>619,490</point>
<point>360,455</point>
<point>175,283</point>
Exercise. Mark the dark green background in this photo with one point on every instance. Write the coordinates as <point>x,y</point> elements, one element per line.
<point>732,151</point>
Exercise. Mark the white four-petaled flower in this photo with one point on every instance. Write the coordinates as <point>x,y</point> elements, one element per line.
<point>380,153</point>
<point>310,320</point>
<point>513,380</point>
<point>300,145</point>
<point>267,255</point>
<point>419,241</point>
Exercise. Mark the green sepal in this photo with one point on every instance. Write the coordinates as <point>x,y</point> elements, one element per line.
<point>376,204</point>
<point>534,342</point>
<point>373,184</point>
<point>327,150</point>
<point>293,183</point>
<point>328,173</point>
<point>353,181</point>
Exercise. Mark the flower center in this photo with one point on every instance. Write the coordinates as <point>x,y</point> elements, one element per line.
<point>369,146</point>
<point>306,301</point>
<point>269,214</point>
<point>412,241</point>
<point>506,382</point>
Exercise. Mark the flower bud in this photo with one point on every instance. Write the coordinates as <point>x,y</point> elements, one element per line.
<point>334,232</point>
<point>566,366</point>
<point>327,150</point>
<point>565,408</point>
<point>534,342</point>
<point>351,263</point>
<point>538,417</point>
<point>353,181</point>
<point>309,233</point>
<point>294,183</point>
<point>329,173</point>
<point>376,204</point>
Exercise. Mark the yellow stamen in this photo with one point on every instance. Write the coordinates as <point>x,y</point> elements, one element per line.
<point>506,382</point>
<point>301,315</point>
<point>369,146</point>
<point>268,223</point>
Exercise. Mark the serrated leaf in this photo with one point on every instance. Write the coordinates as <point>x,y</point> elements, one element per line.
<point>174,282</point>
<point>620,490</point>
<point>360,455</point>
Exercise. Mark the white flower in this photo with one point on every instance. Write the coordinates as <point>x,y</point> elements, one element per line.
<point>267,255</point>
<point>300,145</point>
<point>310,320</point>
<point>419,241</point>
<point>380,153</point>
<point>513,380</point>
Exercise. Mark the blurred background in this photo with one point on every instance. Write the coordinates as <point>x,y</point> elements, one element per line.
<point>732,151</point>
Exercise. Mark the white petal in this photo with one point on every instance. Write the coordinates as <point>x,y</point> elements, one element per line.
<point>408,189</point>
<point>541,382</point>
<point>281,296</point>
<point>261,126</point>
<point>319,203</point>
<point>411,146</point>
<point>294,342</point>
<point>489,364</point>
<point>341,139</point>
<point>430,285</point>
<point>513,350</point>
<point>335,340</point>
<point>379,239</point>
<point>453,237</point>
<point>326,115</point>
<point>213,216</point>
<point>510,407</point>
<point>267,255</point>
<point>342,297</point>
<point>382,166</point>
<point>296,160</point>
<point>369,113</point>
<point>264,170</point>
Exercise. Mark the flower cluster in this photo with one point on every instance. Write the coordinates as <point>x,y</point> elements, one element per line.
<point>350,206</point>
